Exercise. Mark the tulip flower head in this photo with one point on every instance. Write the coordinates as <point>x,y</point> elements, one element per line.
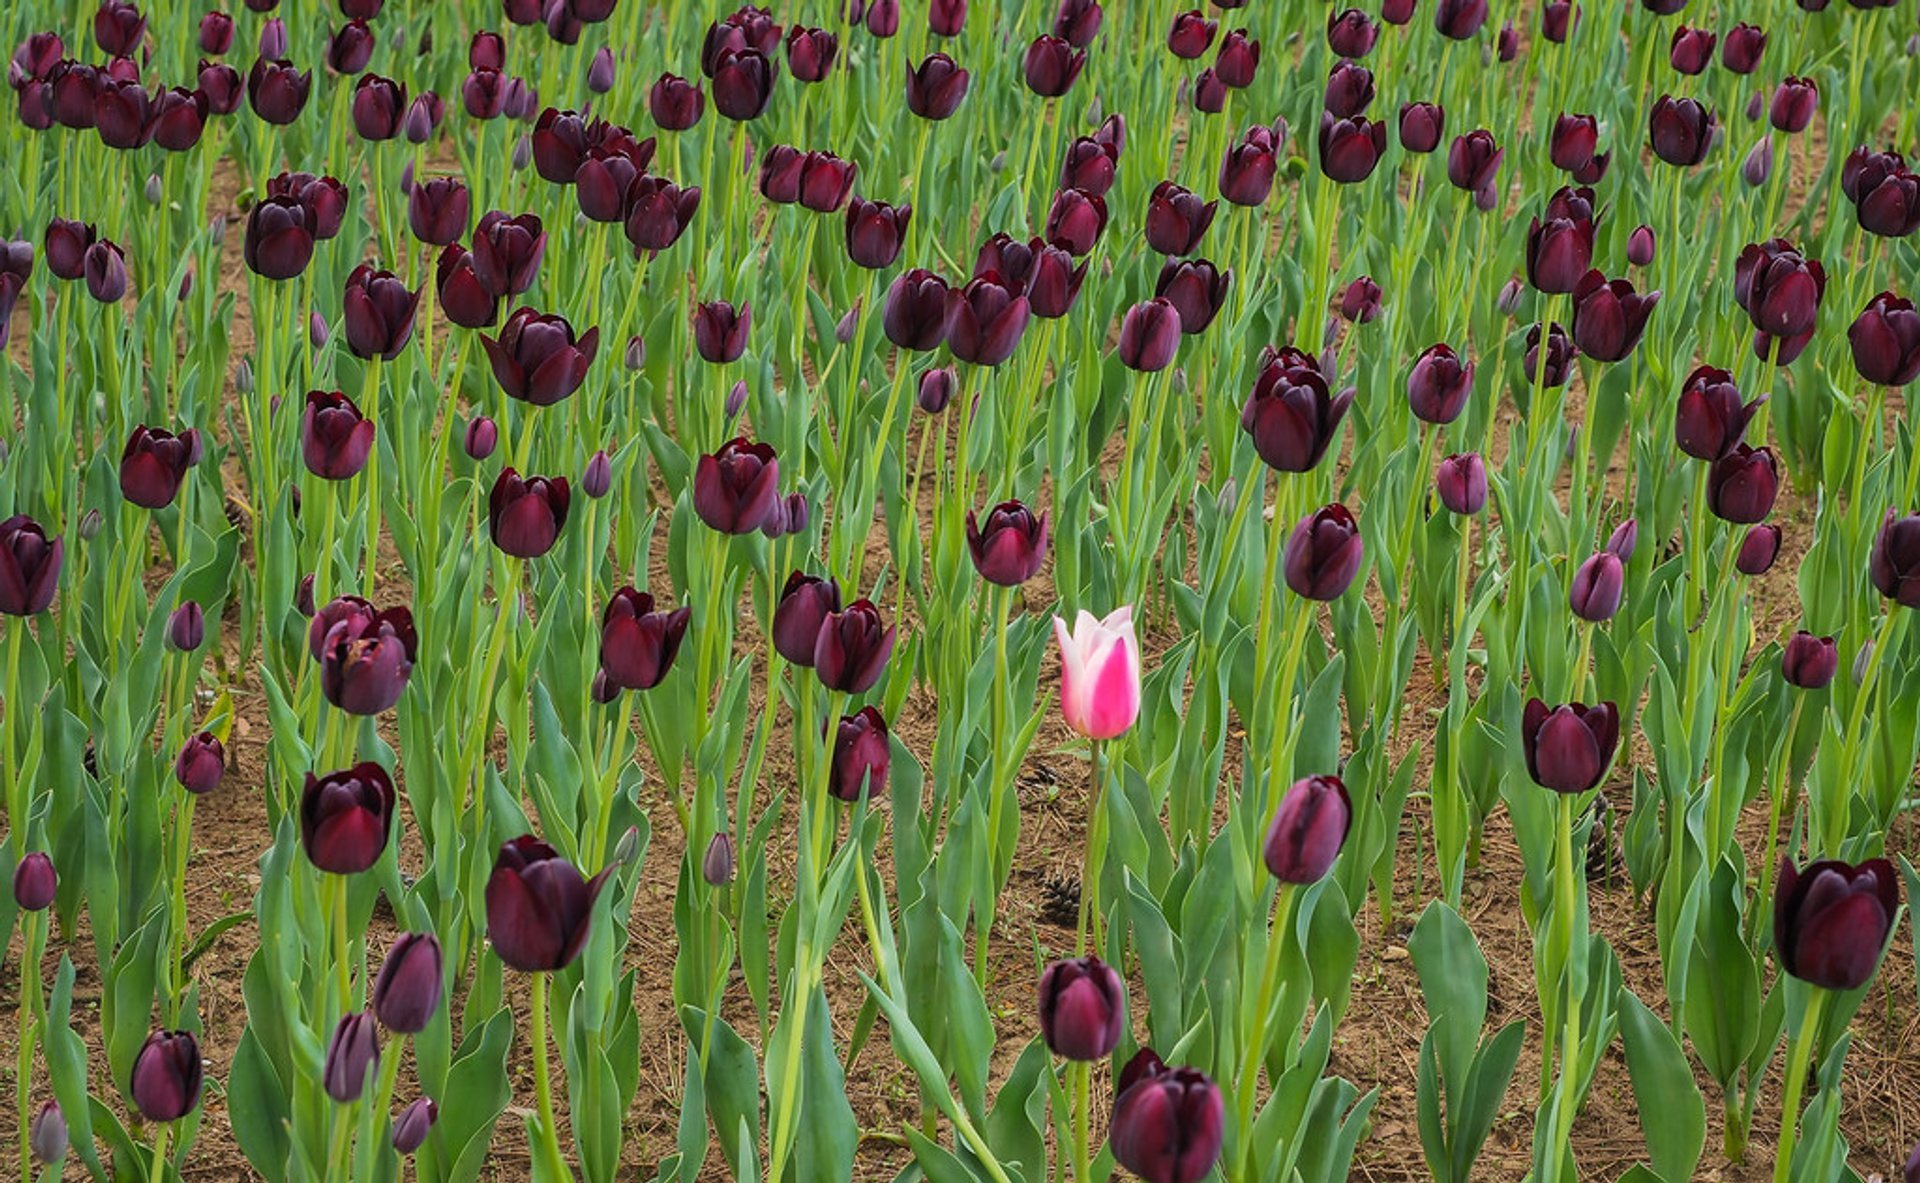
<point>201,764</point>
<point>1831,920</point>
<point>154,465</point>
<point>345,818</point>
<point>936,87</point>
<point>850,651</point>
<point>734,488</point>
<point>34,882</point>
<point>365,655</point>
<point>1742,485</point>
<point>415,1123</point>
<point>1289,414</point>
<point>637,642</point>
<point>1308,830</point>
<point>862,752</point>
<point>29,566</point>
<point>407,993</point>
<point>1323,554</point>
<point>1099,672</point>
<point>538,906</point>
<point>352,1053</point>
<point>1569,748</point>
<point>47,1135</point>
<point>1895,563</point>
<point>526,514</point>
<point>1758,549</point>
<point>1439,385</point>
<point>1010,547</point>
<point>1168,1124</point>
<point>1809,662</point>
<point>1710,419</point>
<point>1461,481</point>
<point>167,1075</point>
<point>1885,341</point>
<point>1083,1009</point>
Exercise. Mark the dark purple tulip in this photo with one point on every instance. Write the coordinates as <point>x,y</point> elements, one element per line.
<point>484,93</point>
<point>378,310</point>
<point>105,270</point>
<point>1247,170</point>
<point>1196,289</point>
<point>1168,1123</point>
<point>1238,60</point>
<point>335,438</point>
<point>719,332</point>
<point>985,320</point>
<point>805,603</point>
<point>1691,50</point>
<point>591,12</point>
<point>1780,289</point>
<point>1209,93</point>
<point>118,28</point>
<point>122,114</point>
<point>353,1052</point>
<point>362,10</point>
<point>1559,356</point>
<point>1459,19</point>
<point>1794,102</point>
<point>186,627</point>
<point>1349,90</point>
<point>415,1122</point>
<point>36,56</point>
<point>345,818</point>
<point>1308,830</point>
<point>481,437</point>
<point>166,1076</point>
<point>1075,221</point>
<point>222,87</point>
<point>1461,481</point>
<point>607,174</point>
<point>365,656</point>
<point>946,18</point>
<point>523,12</point>
<point>851,651</point>
<point>1597,587</point>
<point>155,463</point>
<point>71,88</point>
<point>1885,193</point>
<point>1191,34</point>
<point>1758,550</point>
<point>1831,920</point>
<point>1421,126</point>
<point>658,212</point>
<point>1077,22</point>
<point>29,566</point>
<point>1609,316</point>
<point>1289,414</point>
<point>1809,662</point>
<point>675,103</point>
<point>1350,148</point>
<point>438,210</point>
<point>279,238</point>
<point>1574,141</point>
<point>47,1134</point>
<point>462,297</point>
<point>1895,564</point>
<point>1350,34</point>
<point>1053,282</point>
<point>1010,548</point>
<point>1568,748</point>
<point>277,91</point>
<point>810,53</point>
<point>1710,419</point>
<point>507,252</point>
<point>1438,386</point>
<point>1886,341</point>
<point>597,481</point>
<point>179,118</point>
<point>935,389</point>
<point>935,87</point>
<point>915,313</point>
<point>876,231</point>
<point>1177,219</point>
<point>1743,47</point>
<point>350,48</point>
<point>407,993</point>
<point>1323,554</point>
<point>1640,246</point>
<point>742,84</point>
<point>862,752</point>
<point>883,18</point>
<point>1051,66</point>
<point>201,764</point>
<point>1559,252</point>
<point>720,863</point>
<point>1396,12</point>
<point>560,141</point>
<point>1742,484</point>
<point>1083,1009</point>
<point>34,882</point>
<point>781,167</point>
<point>637,643</point>
<point>1681,130</point>
<point>525,515</point>
<point>734,487</point>
<point>538,906</point>
<point>825,181</point>
<point>1089,166</point>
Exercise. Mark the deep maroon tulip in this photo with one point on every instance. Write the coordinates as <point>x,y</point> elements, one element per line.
<point>507,252</point>
<point>1209,93</point>
<point>342,608</point>
<point>591,12</point>
<point>1010,547</point>
<point>606,175</point>
<point>484,93</point>
<point>883,18</point>
<point>118,28</point>
<point>1742,484</point>
<point>167,1075</point>
<point>222,87</point>
<point>378,310</point>
<point>1681,130</point>
<point>487,51</point>
<point>105,270</point>
<point>1794,102</point>
<point>1691,50</point>
<point>1238,60</point>
<point>335,438</point>
<point>1168,1123</point>
<point>1349,90</point>
<point>861,755</point>
<point>122,114</point>
<point>1741,51</point>
<point>1176,219</point>
<point>1323,554</point>
<point>1574,141</point>
<point>1011,258</point>
<point>1289,414</point>
<point>155,463</point>
<point>1663,7</point>
<point>1459,19</point>
<point>365,656</point>
<point>1308,830</point>
<point>1597,587</point>
<point>350,48</point>
<point>637,643</point>
<point>1089,166</point>
<point>1809,662</point>
<point>1350,148</point>
<point>1559,359</point>
<point>438,210</point>
<point>407,993</point>
<point>1895,565</point>
<point>1758,549</point>
<point>1831,920</point>
<point>1247,170</point>
<point>1053,281</point>
<point>279,238</point>
<point>36,56</point>
<point>936,87</point>
<point>1558,18</point>
<point>34,882</point>
<point>352,1053</point>
<point>525,515</point>
<point>810,53</point>
<point>1438,386</point>
<point>481,437</point>
<point>560,140</point>
<point>1350,34</point>
<point>805,603</point>
<point>415,1123</point>
<point>781,167</point>
<point>675,103</point>
<point>658,212</point>
<point>851,651</point>
<point>742,84</point>
<point>1884,192</point>
<point>538,906</point>
<point>935,389</point>
<point>1196,289</point>
<point>946,18</point>
<point>1075,221</point>
<point>1083,1009</point>
<point>345,818</point>
<point>523,12</point>
<point>1568,748</point>
<point>734,488</point>
<point>1559,252</point>
<point>1710,419</point>
<point>363,10</point>
<point>1781,291</point>
<point>462,297</point>
<point>277,91</point>
<point>1625,539</point>
<point>1609,316</point>
<point>179,118</point>
<point>325,199</point>
<point>29,566</point>
<point>1421,126</point>
<point>876,231</point>
<point>1640,246</point>
<point>1461,481</point>
<point>70,91</point>
<point>985,320</point>
<point>1886,341</point>
<point>825,181</point>
<point>597,481</point>
<point>186,627</point>
<point>1191,34</point>
<point>1051,65</point>
<point>915,313</point>
<point>1077,22</point>
<point>719,332</point>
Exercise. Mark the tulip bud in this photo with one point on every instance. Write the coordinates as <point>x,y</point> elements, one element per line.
<point>34,882</point>
<point>1831,920</point>
<point>861,754</point>
<point>415,1122</point>
<point>1508,301</point>
<point>717,866</point>
<point>597,481</point>
<point>407,993</point>
<point>1083,1009</point>
<point>936,389</point>
<point>481,437</point>
<point>1758,550</point>
<point>600,71</point>
<point>1895,562</point>
<point>1758,165</point>
<point>1742,484</point>
<point>1569,748</point>
<point>1308,830</point>
<point>1793,105</point>
<point>1809,662</point>
<point>1559,359</point>
<point>1624,540</point>
<point>1360,303</point>
<point>167,1075</point>
<point>638,643</point>
<point>1012,545</point>
<point>201,764</point>
<point>1149,335</point>
<point>47,1135</point>
<point>346,816</point>
<point>1597,587</point>
<point>1640,246</point>
<point>273,38</point>
<point>186,626</point>
<point>1168,1124</point>
<point>1439,385</point>
<point>1461,481</point>
<point>353,1052</point>
<point>1323,554</point>
<point>303,596</point>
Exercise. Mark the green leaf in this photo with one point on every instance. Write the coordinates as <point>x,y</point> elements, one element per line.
<point>257,1108</point>
<point>1672,1114</point>
<point>732,1080</point>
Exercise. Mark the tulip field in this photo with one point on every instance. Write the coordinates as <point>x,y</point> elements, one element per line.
<point>1013,591</point>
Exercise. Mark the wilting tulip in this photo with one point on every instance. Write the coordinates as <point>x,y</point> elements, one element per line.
<point>1473,161</point>
<point>538,359</point>
<point>1895,564</point>
<point>345,818</point>
<point>1289,414</point>
<point>277,91</point>
<point>1350,148</point>
<point>166,1077</point>
<point>658,212</point>
<point>1568,748</point>
<point>1809,662</point>
<point>810,53</point>
<point>407,993</point>
<point>1831,920</point>
<point>279,239</point>
<point>1168,1123</point>
<point>1742,484</point>
<point>876,231</point>
<point>1308,830</point>
<point>1196,289</point>
<point>538,906</point>
<point>365,656</point>
<point>1758,550</point>
<point>735,486</point>
<point>1459,19</point>
<point>1083,1009</point>
<point>1597,587</point>
<point>1886,341</point>
<point>1461,481</point>
<point>29,566</point>
<point>805,603</point>
<point>1099,672</point>
<point>851,651</point>
<point>637,643</point>
<point>1609,316</point>
<point>507,252</point>
<point>463,299</point>
<point>1681,130</point>
<point>1439,385</point>
<point>1075,221</point>
<point>525,515</point>
<point>1559,359</point>
<point>1191,34</point>
<point>1710,418</point>
<point>861,755</point>
<point>719,332</point>
<point>1009,549</point>
<point>1349,90</point>
<point>1421,126</point>
<point>985,320</point>
<point>1149,335</point>
<point>936,87</point>
<point>1051,65</point>
<point>34,882</point>
<point>105,270</point>
<point>353,1052</point>
<point>415,1122</point>
<point>1323,554</point>
<point>154,464</point>
<point>438,210</point>
<point>378,310</point>
<point>1794,102</point>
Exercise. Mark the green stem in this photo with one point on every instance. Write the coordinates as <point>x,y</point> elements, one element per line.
<point>1796,1082</point>
<point>543,1083</point>
<point>158,1172</point>
<point>1089,922</point>
<point>999,786</point>
<point>1782,787</point>
<point>1566,897</point>
<point>369,399</point>
<point>1278,936</point>
<point>1082,1150</point>
<point>1837,814</point>
<point>342,977</point>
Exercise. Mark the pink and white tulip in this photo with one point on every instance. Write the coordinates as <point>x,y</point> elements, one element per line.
<point>1099,673</point>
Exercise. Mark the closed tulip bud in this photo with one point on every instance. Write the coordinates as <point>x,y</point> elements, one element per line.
<point>1831,920</point>
<point>658,212</point>
<point>1459,19</point>
<point>1051,65</point>
<point>1177,219</point>
<point>487,51</point>
<point>538,906</point>
<point>1191,34</point>
<point>507,252</point>
<point>345,818</point>
<point>66,247</point>
<point>415,1122</point>
<point>1168,1123</point>
<point>201,764</point>
<point>34,882</point>
<point>719,332</point>
<point>1710,419</point>
<point>378,309</point>
<point>1559,253</point>
<point>935,389</point>
<point>47,1135</point>
<point>1238,60</point>
<point>1609,316</point>
<point>1350,148</point>
<point>379,107</point>
<point>186,626</point>
<point>862,752</point>
<point>324,198</point>
<point>1885,193</point>
<point>1885,341</point>
<point>742,84</point>
<point>1323,554</point>
<point>1758,550</point>
<point>407,993</point>
<point>279,238</point>
<point>1758,164</point>
<point>154,465</point>
<point>717,866</point>
<point>1308,830</point>
<point>936,87</point>
<point>1247,170</point>
<point>538,359</point>
<point>365,656</point>
<point>1597,587</point>
<point>29,566</point>
<point>1681,130</point>
<point>1568,748</point>
<point>1149,335</point>
<point>1290,414</point>
<point>637,643</point>
<point>438,210</point>
<point>1640,246</point>
<point>734,487</point>
<point>167,1076</point>
<point>1360,302</point>
<point>1895,563</point>
<point>946,18</point>
<point>675,103</point>
<point>105,269</point>
<point>1691,49</point>
<point>353,1052</point>
<point>804,605</point>
<point>1083,1009</point>
<point>1438,387</point>
<point>1350,34</point>
<point>1781,291</point>
<point>216,33</point>
<point>350,48</point>
<point>985,320</point>
<point>1741,51</point>
<point>124,113</point>
<point>1574,141</point>
<point>118,28</point>
<point>277,91</point>
<point>1209,93</point>
<point>1075,221</point>
<point>423,117</point>
<point>481,437</point>
<point>1088,166</point>
<point>1010,548</point>
<point>1099,673</point>
<point>1349,89</point>
<point>525,515</point>
<point>1809,662</point>
<point>851,650</point>
<point>1196,289</point>
<point>1461,481</point>
<point>1794,102</point>
<point>1473,160</point>
<point>303,597</point>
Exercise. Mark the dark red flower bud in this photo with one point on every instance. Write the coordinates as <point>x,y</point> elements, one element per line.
<point>1051,65</point>
<point>1681,130</point>
<point>1559,361</point>
<point>484,93</point>
<point>1568,748</point>
<point>118,28</point>
<point>1089,166</point>
<point>1809,662</point>
<point>1895,564</point>
<point>935,390</point>
<point>352,1053</point>
<point>179,118</point>
<point>1350,34</point>
<point>1831,920</point>
<point>637,643</point>
<point>1360,302</point>
<point>1781,291</point>
<point>538,906</point>
<point>34,882</point>
<point>507,252</point>
<point>1308,830</point>
<point>851,651</point>
<point>279,238</point>
<point>1323,554</point>
<point>1438,386</point>
<point>985,320</point>
<point>1794,102</point>
<point>525,515</point>
<point>810,53</point>
<point>1742,484</point>
<point>1421,126</point>
<point>1238,60</point>
<point>915,313</point>
<point>1691,49</point>
<point>1597,588</point>
<point>1350,148</point>
<point>105,270</point>
<point>345,818</point>
<point>1196,289</point>
<point>876,231</point>
<point>1177,219</point>
<point>1758,550</point>
<point>1168,1123</point>
<point>155,463</point>
<point>1884,192</point>
<point>415,1122</point>
<point>481,438</point>
<point>935,87</point>
<point>742,84</point>
<point>1076,221</point>
<point>1349,89</point>
<point>1558,18</point>
<point>1609,316</point>
<point>365,656</point>
<point>1461,481</point>
<point>734,488</point>
<point>407,993</point>
<point>335,438</point>
<point>946,18</point>
<point>1053,282</point>
<point>658,212</point>
<point>29,566</point>
<point>277,91</point>
<point>1575,140</point>
<point>805,603</point>
<point>1289,413</point>
<point>222,87</point>
<point>1010,548</point>
<point>1885,339</point>
<point>438,210</point>
<point>862,752</point>
<point>1559,252</point>
<point>1743,47</point>
<point>1710,419</point>
<point>1459,19</point>
<point>462,297</point>
<point>675,103</point>
<point>166,1077</point>
<point>1247,170</point>
<point>1083,1009</point>
<point>487,51</point>
<point>825,181</point>
<point>1191,34</point>
<point>122,114</point>
<point>1640,246</point>
<point>1149,335</point>
<point>1209,93</point>
<point>883,18</point>
<point>201,764</point>
<point>378,309</point>
<point>719,332</point>
<point>607,173</point>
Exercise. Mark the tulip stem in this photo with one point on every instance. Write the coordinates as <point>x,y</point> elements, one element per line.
<point>1082,1072</point>
<point>1089,924</point>
<point>999,783</point>
<point>542,1081</point>
<point>1796,1081</point>
<point>1278,937</point>
<point>17,792</point>
<point>1782,787</point>
<point>33,934</point>
<point>343,979</point>
<point>369,403</point>
<point>1566,900</point>
<point>182,842</point>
